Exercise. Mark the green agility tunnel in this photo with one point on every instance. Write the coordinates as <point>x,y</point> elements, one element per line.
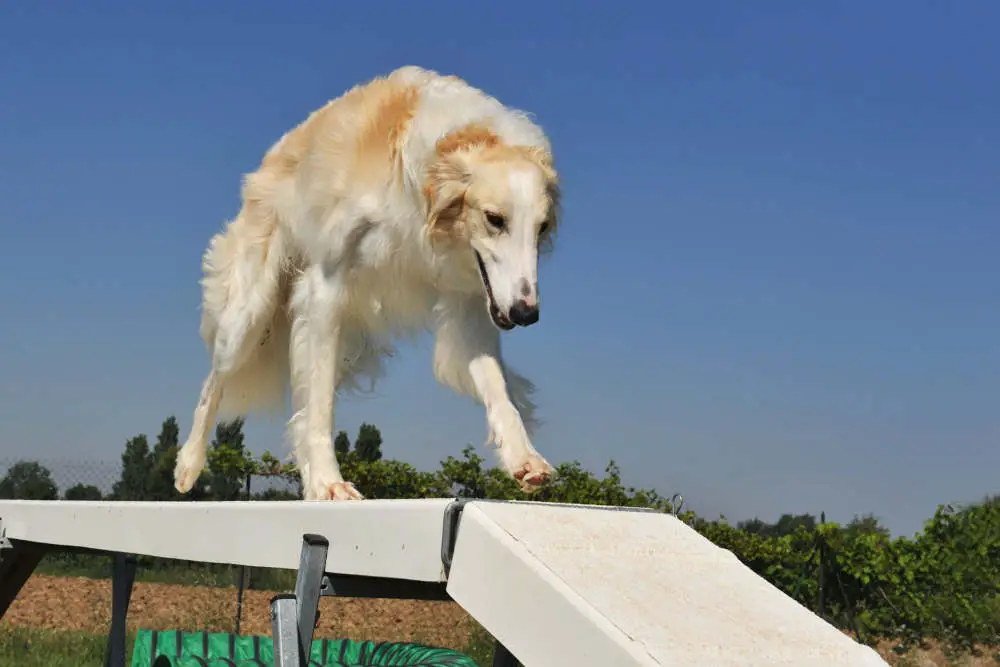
<point>171,648</point>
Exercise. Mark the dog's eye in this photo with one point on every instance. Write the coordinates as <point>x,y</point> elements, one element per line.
<point>495,219</point>
<point>542,229</point>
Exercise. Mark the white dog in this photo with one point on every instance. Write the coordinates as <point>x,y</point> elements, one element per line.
<point>410,202</point>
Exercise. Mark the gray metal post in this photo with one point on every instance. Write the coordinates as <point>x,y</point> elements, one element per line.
<point>308,581</point>
<point>284,632</point>
<point>122,578</point>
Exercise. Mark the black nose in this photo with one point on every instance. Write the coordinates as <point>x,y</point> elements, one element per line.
<point>522,314</point>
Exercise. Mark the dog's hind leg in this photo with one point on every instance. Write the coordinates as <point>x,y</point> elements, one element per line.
<point>317,305</point>
<point>241,291</point>
<point>191,457</point>
<point>467,359</point>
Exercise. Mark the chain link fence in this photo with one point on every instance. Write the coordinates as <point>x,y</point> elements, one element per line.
<point>69,479</point>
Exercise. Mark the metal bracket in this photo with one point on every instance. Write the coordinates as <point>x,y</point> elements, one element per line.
<point>4,542</point>
<point>452,518</point>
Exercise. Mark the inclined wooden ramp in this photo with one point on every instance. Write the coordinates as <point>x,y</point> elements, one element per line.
<point>555,584</point>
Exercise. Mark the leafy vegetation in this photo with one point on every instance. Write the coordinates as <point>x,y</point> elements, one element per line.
<point>941,584</point>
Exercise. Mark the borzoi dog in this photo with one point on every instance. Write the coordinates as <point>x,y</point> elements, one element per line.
<point>414,201</point>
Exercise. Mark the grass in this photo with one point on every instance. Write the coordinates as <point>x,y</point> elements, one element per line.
<point>23,647</point>
<point>480,646</point>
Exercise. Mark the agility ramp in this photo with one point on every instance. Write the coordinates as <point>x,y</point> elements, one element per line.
<point>555,584</point>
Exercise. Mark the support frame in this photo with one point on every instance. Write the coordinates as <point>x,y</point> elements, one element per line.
<point>293,616</point>
<point>296,615</point>
<point>18,560</point>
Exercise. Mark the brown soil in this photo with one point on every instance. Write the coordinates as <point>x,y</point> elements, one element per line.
<point>932,655</point>
<point>76,603</point>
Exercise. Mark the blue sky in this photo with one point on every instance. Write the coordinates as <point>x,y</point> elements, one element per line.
<point>776,287</point>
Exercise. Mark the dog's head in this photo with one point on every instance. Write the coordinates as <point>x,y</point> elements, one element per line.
<point>502,201</point>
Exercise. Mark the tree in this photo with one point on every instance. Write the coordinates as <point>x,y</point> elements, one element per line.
<point>388,478</point>
<point>276,494</point>
<point>83,492</point>
<point>28,480</point>
<point>342,445</point>
<point>164,458</point>
<point>867,524</point>
<point>228,461</point>
<point>137,469</point>
<point>368,444</point>
<point>787,524</point>
<point>754,526</point>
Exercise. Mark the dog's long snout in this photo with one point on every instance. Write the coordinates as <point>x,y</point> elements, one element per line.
<point>524,314</point>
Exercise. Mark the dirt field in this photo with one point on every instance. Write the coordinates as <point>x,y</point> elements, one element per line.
<point>75,603</point>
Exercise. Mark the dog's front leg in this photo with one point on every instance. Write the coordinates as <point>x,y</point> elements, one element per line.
<point>317,307</point>
<point>467,359</point>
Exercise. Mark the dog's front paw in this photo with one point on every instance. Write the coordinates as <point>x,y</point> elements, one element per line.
<point>519,458</point>
<point>533,473</point>
<point>333,491</point>
<point>190,463</point>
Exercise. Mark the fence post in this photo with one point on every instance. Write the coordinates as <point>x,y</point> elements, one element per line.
<point>243,578</point>
<point>822,568</point>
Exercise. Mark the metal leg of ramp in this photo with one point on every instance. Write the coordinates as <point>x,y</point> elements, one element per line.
<point>122,579</point>
<point>284,629</point>
<point>294,616</point>
<point>17,562</point>
<point>308,588</point>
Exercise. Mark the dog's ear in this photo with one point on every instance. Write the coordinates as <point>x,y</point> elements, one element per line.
<point>543,159</point>
<point>447,183</point>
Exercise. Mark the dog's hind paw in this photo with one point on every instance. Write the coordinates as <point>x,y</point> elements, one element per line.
<point>190,463</point>
<point>533,474</point>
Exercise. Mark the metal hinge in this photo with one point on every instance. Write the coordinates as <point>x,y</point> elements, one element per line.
<point>452,517</point>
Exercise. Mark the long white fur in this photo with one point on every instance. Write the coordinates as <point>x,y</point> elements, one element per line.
<point>323,268</point>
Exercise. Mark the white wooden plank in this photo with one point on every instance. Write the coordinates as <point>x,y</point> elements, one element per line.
<point>384,538</point>
<point>588,586</point>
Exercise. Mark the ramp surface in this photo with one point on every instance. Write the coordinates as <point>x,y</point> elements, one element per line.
<point>556,584</point>
<point>573,585</point>
<point>379,538</point>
